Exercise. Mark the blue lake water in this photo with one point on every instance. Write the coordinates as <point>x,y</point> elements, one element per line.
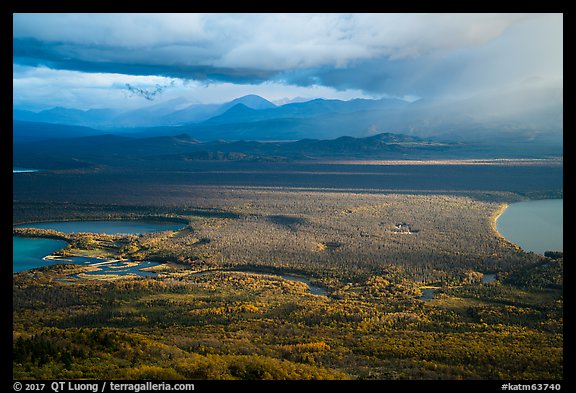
<point>107,227</point>
<point>536,226</point>
<point>28,252</point>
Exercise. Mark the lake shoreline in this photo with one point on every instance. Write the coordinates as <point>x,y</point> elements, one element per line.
<point>523,240</point>
<point>30,253</point>
<point>503,207</point>
<point>148,219</point>
<point>27,254</point>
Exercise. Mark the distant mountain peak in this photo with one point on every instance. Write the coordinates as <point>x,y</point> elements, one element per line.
<point>252,101</point>
<point>241,107</point>
<point>238,112</point>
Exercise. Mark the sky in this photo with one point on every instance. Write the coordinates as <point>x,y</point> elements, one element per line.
<point>125,61</point>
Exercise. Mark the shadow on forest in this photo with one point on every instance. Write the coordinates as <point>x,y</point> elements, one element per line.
<point>287,221</point>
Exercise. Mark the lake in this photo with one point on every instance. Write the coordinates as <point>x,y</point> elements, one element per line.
<point>24,170</point>
<point>118,227</point>
<point>536,226</point>
<point>28,252</point>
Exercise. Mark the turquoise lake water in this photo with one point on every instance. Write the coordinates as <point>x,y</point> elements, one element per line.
<point>536,226</point>
<point>28,252</point>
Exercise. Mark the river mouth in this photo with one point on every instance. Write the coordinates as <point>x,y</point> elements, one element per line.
<point>34,252</point>
<point>535,225</point>
<point>101,268</point>
<point>104,269</point>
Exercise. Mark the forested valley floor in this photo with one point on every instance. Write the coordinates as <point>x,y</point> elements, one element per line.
<point>372,253</point>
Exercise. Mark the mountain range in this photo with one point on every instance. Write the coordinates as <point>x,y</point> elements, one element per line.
<point>172,112</point>
<point>110,149</point>
<point>526,115</point>
<point>155,152</point>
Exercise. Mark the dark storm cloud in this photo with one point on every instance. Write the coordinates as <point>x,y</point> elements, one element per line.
<point>33,52</point>
<point>396,54</point>
<point>397,77</point>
